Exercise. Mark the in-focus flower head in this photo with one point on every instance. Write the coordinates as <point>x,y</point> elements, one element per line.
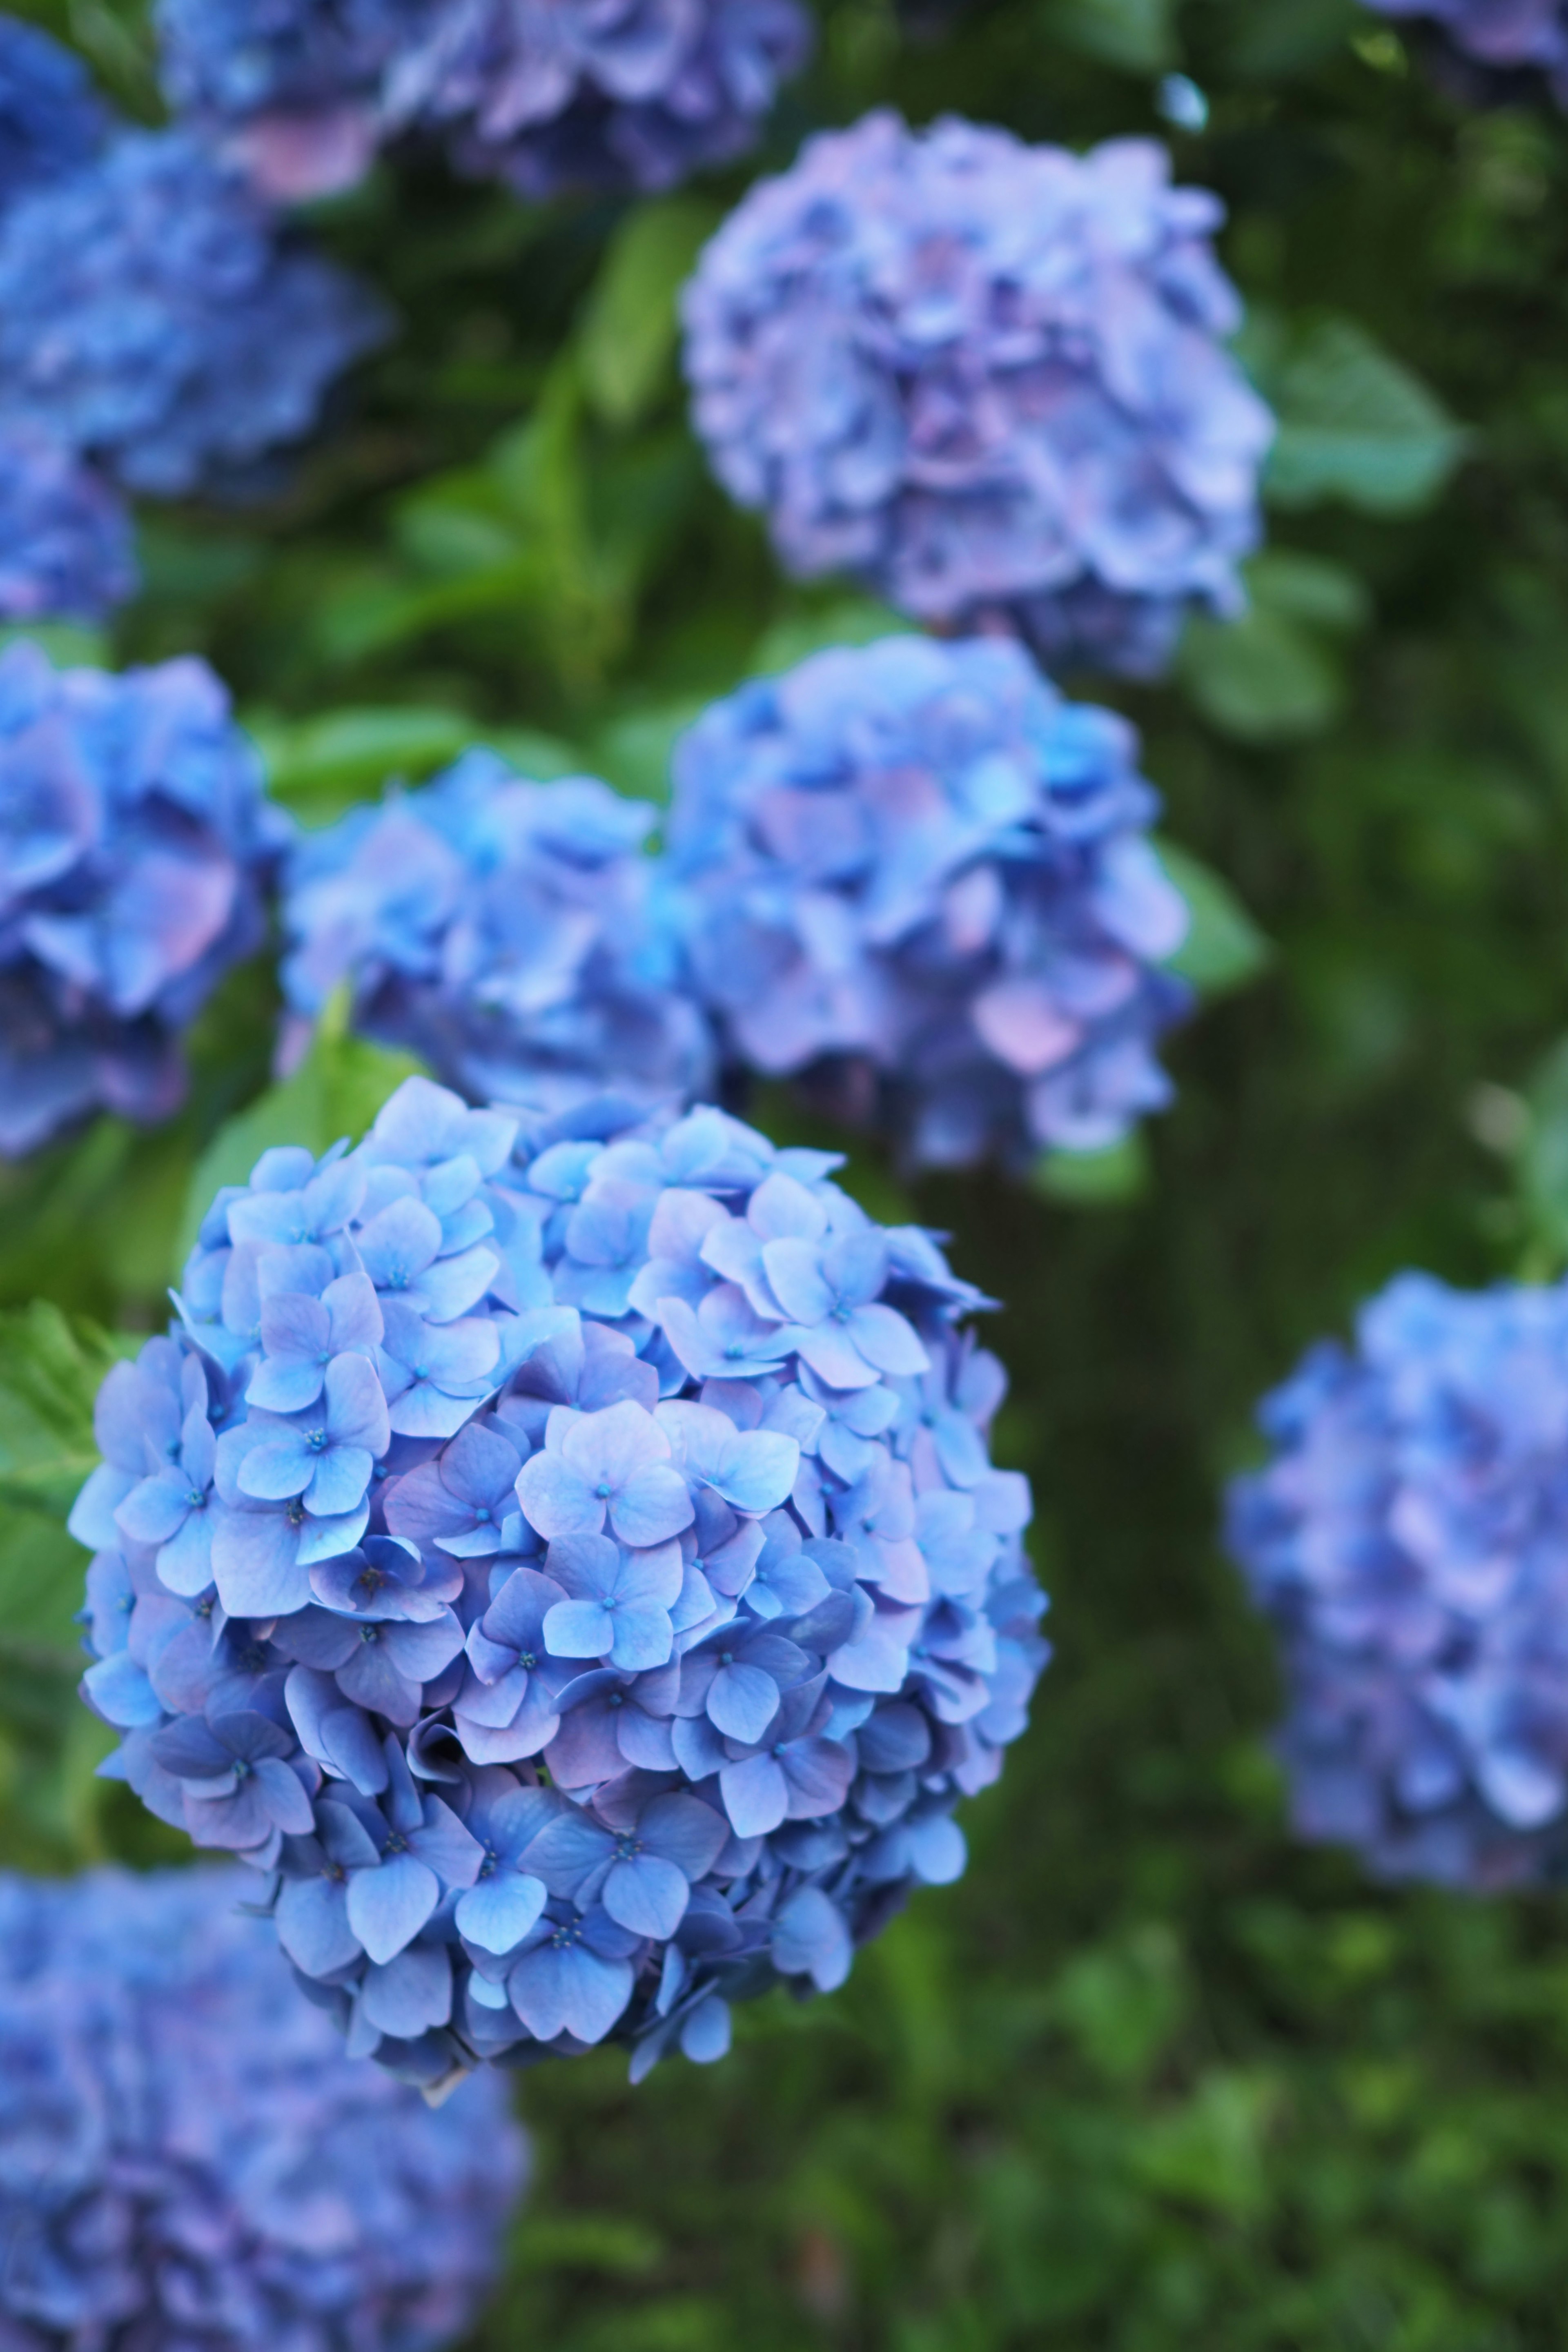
<point>66,545</point>
<point>135,842</point>
<point>572,1562</point>
<point>914,872</point>
<point>1493,49</point>
<point>987,378</point>
<point>50,119</point>
<point>1408,1539</point>
<point>512,934</point>
<point>187,2157</point>
<point>542,93</point>
<point>154,316</point>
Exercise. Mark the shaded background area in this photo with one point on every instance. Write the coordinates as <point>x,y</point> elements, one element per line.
<point>1149,2076</point>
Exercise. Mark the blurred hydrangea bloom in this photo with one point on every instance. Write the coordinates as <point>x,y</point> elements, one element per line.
<point>989,379</point>
<point>542,93</point>
<point>65,549</point>
<point>153,316</point>
<point>134,844</point>
<point>1495,45</point>
<point>572,1562</point>
<point>50,119</point>
<point>188,2160</point>
<point>914,871</point>
<point>1408,1539</point>
<point>512,934</point>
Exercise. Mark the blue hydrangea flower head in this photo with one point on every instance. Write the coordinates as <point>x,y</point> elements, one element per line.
<point>66,544</point>
<point>187,2157</point>
<point>135,844</point>
<point>542,93</point>
<point>154,316</point>
<point>51,120</point>
<point>914,873</point>
<point>1407,1540</point>
<point>513,934</point>
<point>989,379</point>
<point>568,1557</point>
<point>1494,47</point>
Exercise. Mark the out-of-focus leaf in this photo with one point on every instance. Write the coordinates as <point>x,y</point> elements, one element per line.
<point>858,621</point>
<point>67,646</point>
<point>319,767</point>
<point>1542,1155</point>
<point>1123,2005</point>
<point>1095,1180</point>
<point>1263,678</point>
<point>614,2245</point>
<point>625,338</point>
<point>1271,38</point>
<point>50,1368</point>
<point>1224,948</point>
<point>1309,588</point>
<point>1209,2152</point>
<point>1138,35</point>
<point>633,751</point>
<point>1354,423</point>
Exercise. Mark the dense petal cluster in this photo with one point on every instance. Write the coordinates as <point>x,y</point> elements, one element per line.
<point>1500,42</point>
<point>512,933</point>
<point>188,2162</point>
<point>66,547</point>
<point>50,119</point>
<point>1410,1540</point>
<point>542,93</point>
<point>154,318</point>
<point>916,872</point>
<point>134,844</point>
<point>989,379</point>
<point>572,1563</point>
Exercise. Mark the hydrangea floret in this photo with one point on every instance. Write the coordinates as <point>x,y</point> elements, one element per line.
<point>154,316</point>
<point>188,2160</point>
<point>66,544</point>
<point>989,379</point>
<point>512,934</point>
<point>914,873</point>
<point>1494,48</point>
<point>542,93</point>
<point>51,120</point>
<point>571,1563</point>
<point>135,845</point>
<point>1407,1539</point>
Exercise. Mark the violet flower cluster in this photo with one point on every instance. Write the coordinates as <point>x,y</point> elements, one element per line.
<point>1409,1539</point>
<point>51,120</point>
<point>914,873</point>
<point>66,546</point>
<point>570,1563</point>
<point>542,93</point>
<point>512,934</point>
<point>988,378</point>
<point>188,2162</point>
<point>1492,47</point>
<point>135,845</point>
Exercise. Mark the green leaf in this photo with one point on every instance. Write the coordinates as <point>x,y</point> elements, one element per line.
<point>1263,678</point>
<point>1308,588</point>
<point>1224,948</point>
<point>633,751</point>
<point>319,767</point>
<point>857,621</point>
<point>1542,1169</point>
<point>67,645</point>
<point>50,1369</point>
<point>1274,38</point>
<point>1095,1180</point>
<point>1354,423</point>
<point>627,335</point>
<point>1137,35</point>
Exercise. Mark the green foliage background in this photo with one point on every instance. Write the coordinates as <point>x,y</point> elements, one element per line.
<point>1152,2077</point>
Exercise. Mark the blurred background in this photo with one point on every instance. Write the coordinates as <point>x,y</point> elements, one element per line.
<point>1151,2076</point>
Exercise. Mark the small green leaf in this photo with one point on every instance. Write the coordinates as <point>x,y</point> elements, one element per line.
<point>1542,1156</point>
<point>1274,38</point>
<point>1095,1180</point>
<point>1139,36</point>
<point>1309,588</point>
<point>627,334</point>
<point>50,1369</point>
<point>857,621</point>
<point>1224,948</point>
<point>1263,678</point>
<point>633,753</point>
<point>1354,423</point>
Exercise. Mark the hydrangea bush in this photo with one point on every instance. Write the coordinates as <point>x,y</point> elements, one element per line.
<point>512,933</point>
<point>188,2163</point>
<point>135,842</point>
<point>1408,1539</point>
<point>1495,44</point>
<point>571,1563</point>
<point>542,93</point>
<point>155,318</point>
<point>66,546</point>
<point>915,872</point>
<point>987,378</point>
<point>51,118</point>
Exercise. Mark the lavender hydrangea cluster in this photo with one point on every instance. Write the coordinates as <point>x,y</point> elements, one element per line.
<point>188,2162</point>
<point>571,1563</point>
<point>135,842</point>
<point>1494,44</point>
<point>65,544</point>
<point>511,933</point>
<point>542,93</point>
<point>1408,1540</point>
<point>51,120</point>
<point>990,380</point>
<point>916,874</point>
<point>154,318</point>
